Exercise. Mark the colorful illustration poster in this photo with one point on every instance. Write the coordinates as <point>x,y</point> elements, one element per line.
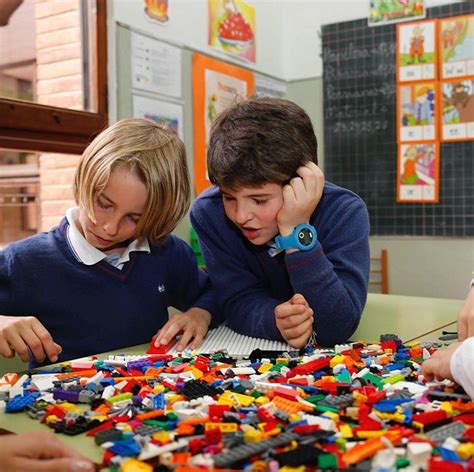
<point>216,85</point>
<point>418,173</point>
<point>416,51</point>
<point>157,10</point>
<point>383,12</point>
<point>417,112</point>
<point>167,113</point>
<point>232,28</point>
<point>457,110</point>
<point>456,36</point>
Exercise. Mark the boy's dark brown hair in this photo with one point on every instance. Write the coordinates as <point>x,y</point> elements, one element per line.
<point>260,140</point>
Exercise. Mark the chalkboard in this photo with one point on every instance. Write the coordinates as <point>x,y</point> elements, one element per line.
<point>360,133</point>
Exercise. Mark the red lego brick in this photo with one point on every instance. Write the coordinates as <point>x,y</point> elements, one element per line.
<point>216,412</point>
<point>429,417</point>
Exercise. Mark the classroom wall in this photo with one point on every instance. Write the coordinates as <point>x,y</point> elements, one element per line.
<point>289,48</point>
<point>302,27</point>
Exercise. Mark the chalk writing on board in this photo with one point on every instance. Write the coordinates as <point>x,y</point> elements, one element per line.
<point>351,51</point>
<point>336,93</point>
<point>333,72</point>
<point>358,127</point>
<point>347,112</point>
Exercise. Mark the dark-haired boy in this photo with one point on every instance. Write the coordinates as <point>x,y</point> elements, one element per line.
<point>287,252</point>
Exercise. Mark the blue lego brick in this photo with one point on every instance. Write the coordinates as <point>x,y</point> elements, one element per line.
<point>390,406</point>
<point>20,402</point>
<point>127,448</point>
<point>449,455</point>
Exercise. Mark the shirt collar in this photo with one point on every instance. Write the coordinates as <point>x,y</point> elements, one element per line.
<point>90,255</point>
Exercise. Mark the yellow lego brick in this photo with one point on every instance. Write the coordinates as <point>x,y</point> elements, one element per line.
<point>346,431</point>
<point>293,418</point>
<point>70,407</point>
<point>158,388</point>
<point>328,378</point>
<point>261,400</point>
<point>197,373</point>
<point>331,415</point>
<point>370,434</point>
<point>465,451</point>
<point>225,401</point>
<point>173,397</point>
<point>339,359</point>
<point>223,427</point>
<point>134,465</point>
<point>447,407</point>
<point>51,419</point>
<point>287,468</point>
<point>265,367</point>
<point>243,400</point>
<point>162,436</point>
<point>282,360</point>
<point>252,437</point>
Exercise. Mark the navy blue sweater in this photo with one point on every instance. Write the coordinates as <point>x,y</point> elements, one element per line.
<point>249,284</point>
<point>98,308</point>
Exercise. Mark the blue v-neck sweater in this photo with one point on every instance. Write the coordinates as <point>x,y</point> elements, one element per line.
<point>249,283</point>
<point>98,308</point>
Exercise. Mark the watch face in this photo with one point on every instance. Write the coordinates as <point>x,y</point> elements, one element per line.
<point>305,237</point>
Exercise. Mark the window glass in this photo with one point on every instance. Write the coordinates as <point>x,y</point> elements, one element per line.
<point>47,52</point>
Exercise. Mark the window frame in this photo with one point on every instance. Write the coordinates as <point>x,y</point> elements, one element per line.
<point>31,126</point>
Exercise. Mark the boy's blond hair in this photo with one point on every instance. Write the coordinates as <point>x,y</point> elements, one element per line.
<point>155,155</point>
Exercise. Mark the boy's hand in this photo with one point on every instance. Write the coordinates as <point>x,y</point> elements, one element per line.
<point>294,319</point>
<point>300,198</point>
<point>40,451</point>
<point>466,317</point>
<point>439,364</point>
<point>193,324</point>
<point>21,334</point>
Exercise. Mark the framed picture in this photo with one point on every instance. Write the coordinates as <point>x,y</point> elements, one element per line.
<point>416,111</point>
<point>418,173</point>
<point>456,46</point>
<point>216,85</point>
<point>457,109</point>
<point>416,51</point>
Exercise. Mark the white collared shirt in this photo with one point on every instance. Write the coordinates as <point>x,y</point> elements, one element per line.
<point>90,255</point>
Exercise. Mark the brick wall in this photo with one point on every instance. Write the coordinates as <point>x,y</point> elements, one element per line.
<point>58,83</point>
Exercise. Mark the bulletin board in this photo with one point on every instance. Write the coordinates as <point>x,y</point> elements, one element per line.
<point>360,134</point>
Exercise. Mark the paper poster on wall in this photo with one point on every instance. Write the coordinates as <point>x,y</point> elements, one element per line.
<point>418,173</point>
<point>383,12</point>
<point>216,85</point>
<point>416,51</point>
<point>269,87</point>
<point>417,105</point>
<point>457,110</point>
<point>231,28</point>
<point>170,114</point>
<point>156,66</point>
<point>456,36</point>
<point>157,10</point>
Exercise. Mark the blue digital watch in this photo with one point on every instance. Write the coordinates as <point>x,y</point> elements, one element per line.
<point>304,238</point>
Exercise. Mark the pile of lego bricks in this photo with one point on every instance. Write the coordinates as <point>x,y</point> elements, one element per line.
<point>358,407</point>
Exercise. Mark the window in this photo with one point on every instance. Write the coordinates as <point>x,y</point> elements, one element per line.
<point>53,74</point>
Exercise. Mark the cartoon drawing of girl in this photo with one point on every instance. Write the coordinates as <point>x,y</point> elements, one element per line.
<point>409,176</point>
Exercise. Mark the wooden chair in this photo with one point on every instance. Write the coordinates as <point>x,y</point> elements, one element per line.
<point>379,272</point>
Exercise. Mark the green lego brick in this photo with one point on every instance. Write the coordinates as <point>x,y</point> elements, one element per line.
<point>327,461</point>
